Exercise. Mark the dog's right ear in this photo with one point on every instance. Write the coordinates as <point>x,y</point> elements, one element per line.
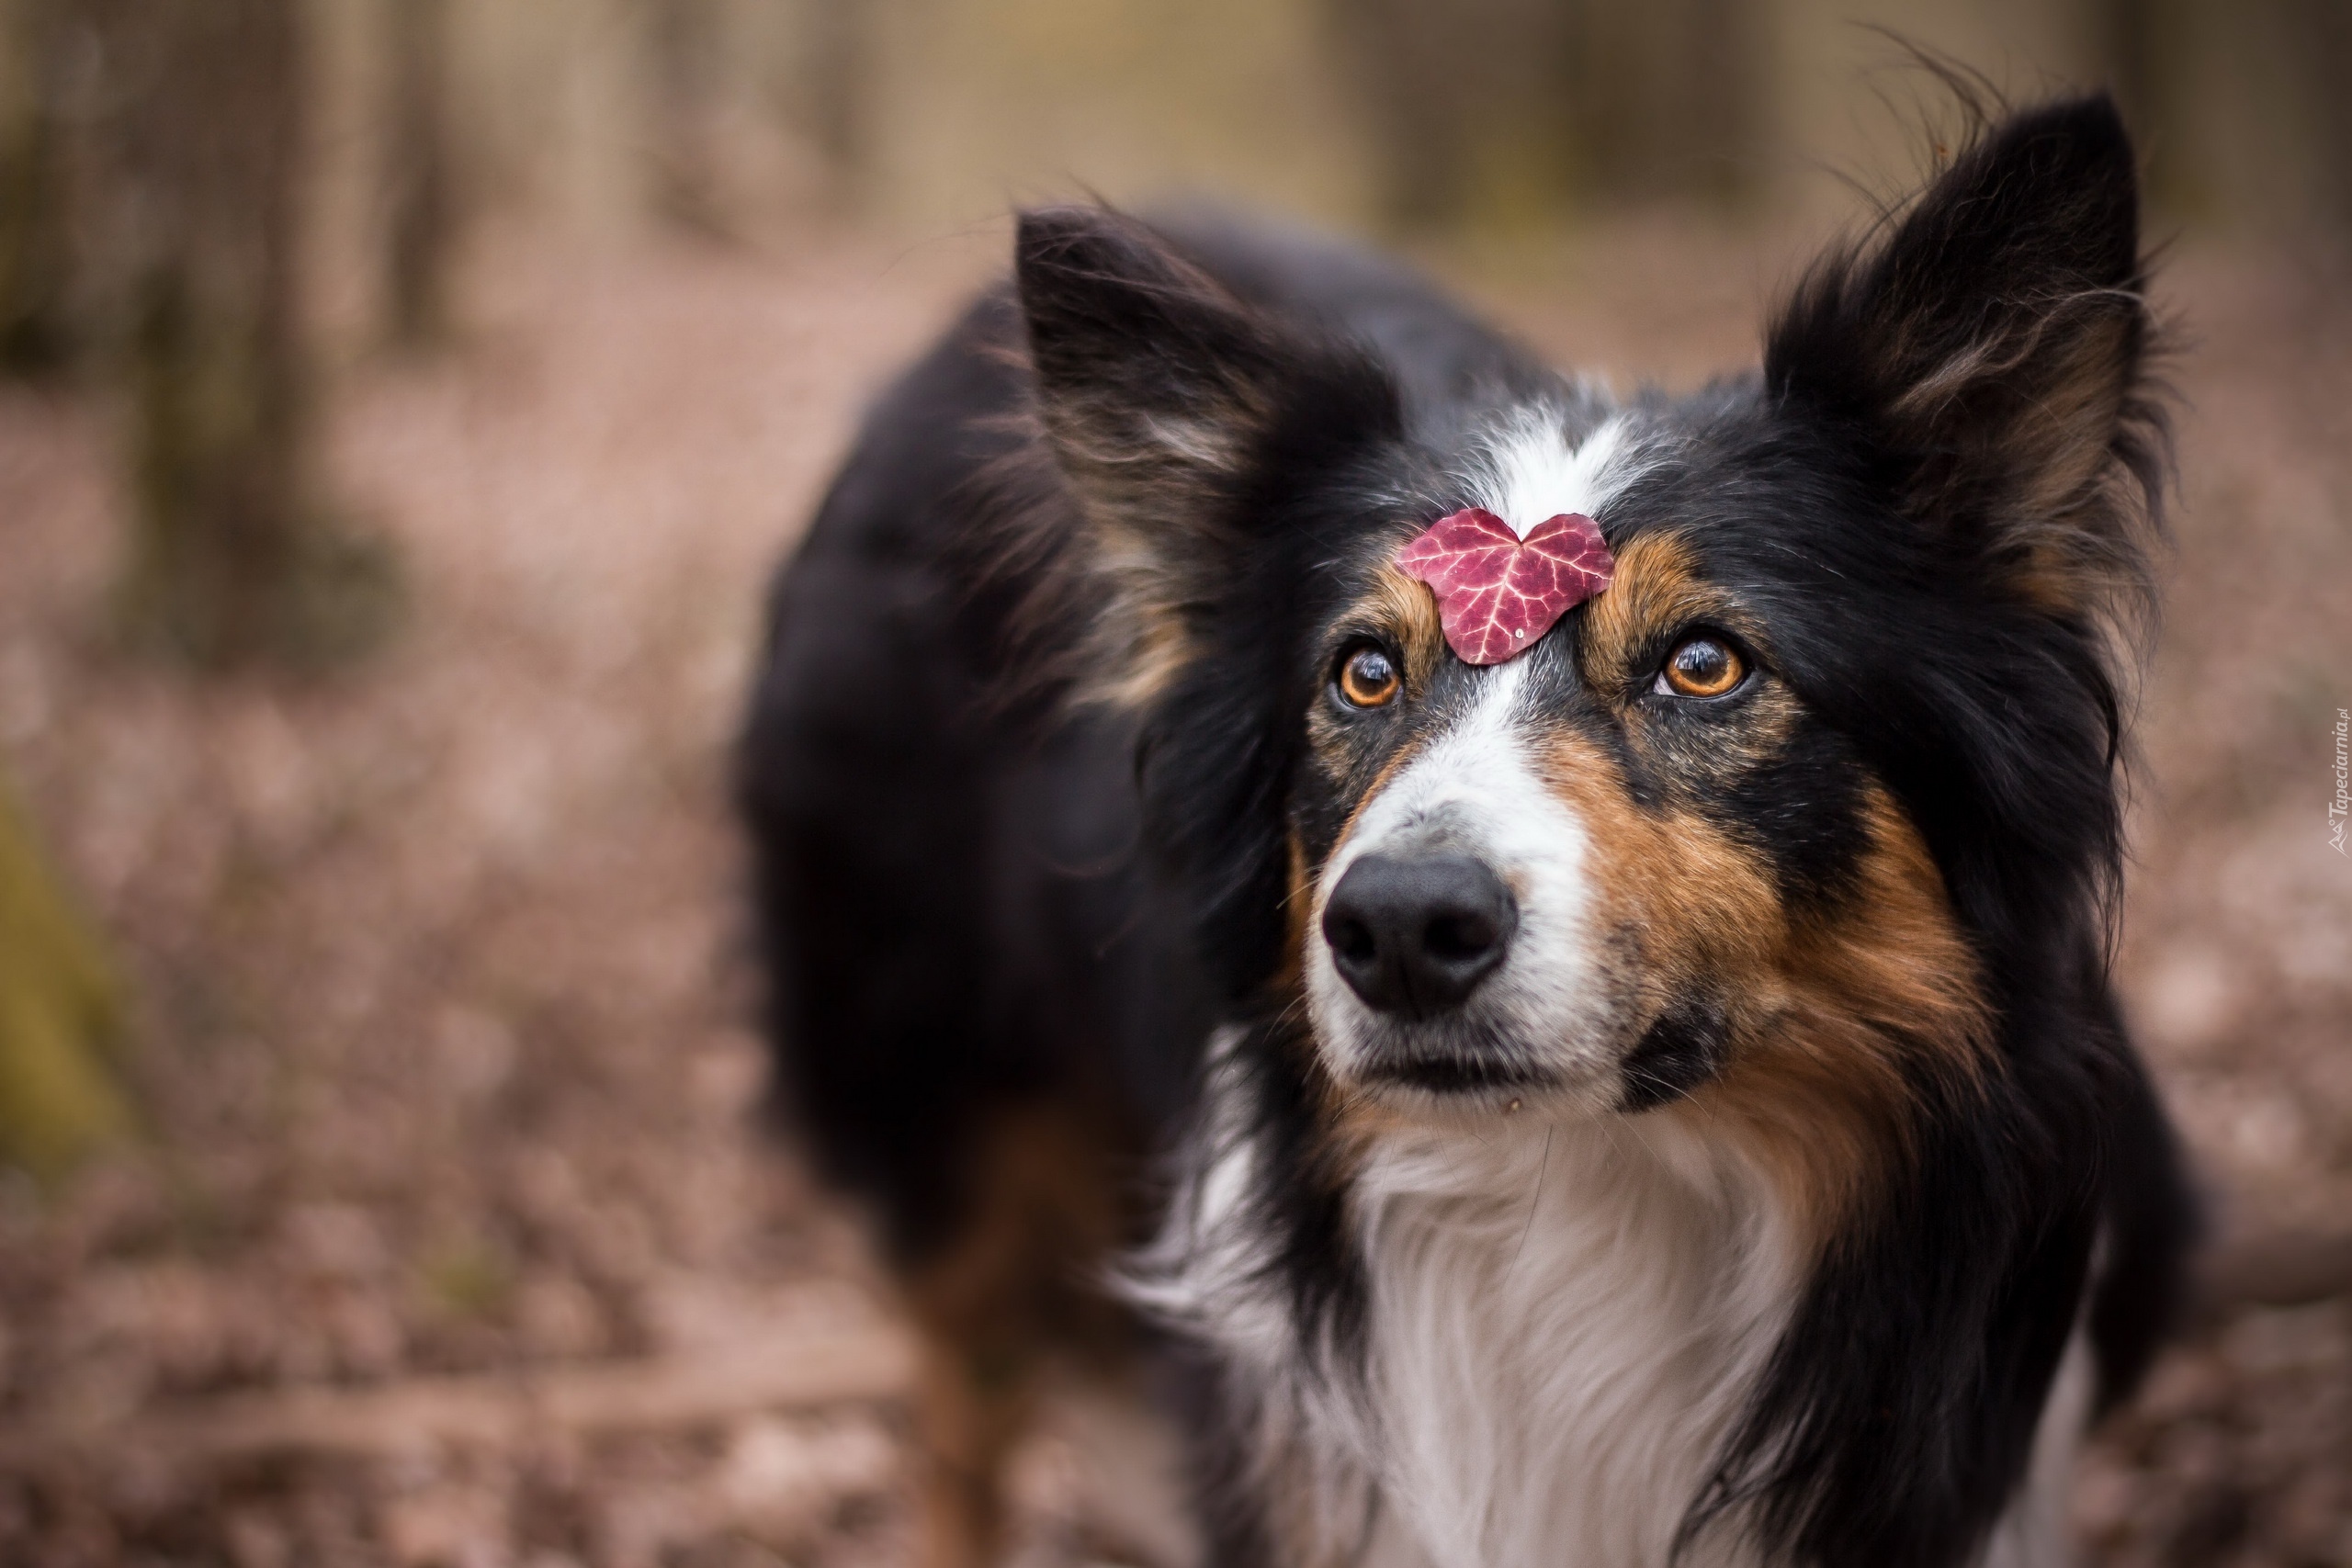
<point>1992,351</point>
<point>1179,414</point>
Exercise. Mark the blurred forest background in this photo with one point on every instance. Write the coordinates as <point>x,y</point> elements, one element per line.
<point>400,404</point>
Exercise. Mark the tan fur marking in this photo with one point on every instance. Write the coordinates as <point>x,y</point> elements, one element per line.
<point>1298,910</point>
<point>1009,1289</point>
<point>1159,653</point>
<point>2067,560</point>
<point>1408,610</point>
<point>1821,1015</point>
<point>1656,590</point>
<point>1654,578</point>
<point>1148,486</point>
<point>2066,531</point>
<point>1696,902</point>
<point>1815,1087</point>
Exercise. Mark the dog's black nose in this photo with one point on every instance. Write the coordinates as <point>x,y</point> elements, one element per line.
<point>1416,936</point>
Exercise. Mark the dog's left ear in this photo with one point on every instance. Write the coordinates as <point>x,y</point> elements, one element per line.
<point>1991,354</point>
<point>1196,433</point>
<point>1178,413</point>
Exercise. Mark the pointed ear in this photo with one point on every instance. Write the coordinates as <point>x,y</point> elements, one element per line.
<point>1992,353</point>
<point>1180,416</point>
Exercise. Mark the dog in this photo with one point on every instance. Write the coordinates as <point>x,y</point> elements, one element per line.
<point>1638,1064</point>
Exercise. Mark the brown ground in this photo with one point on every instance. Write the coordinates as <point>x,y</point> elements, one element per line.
<point>445,1054</point>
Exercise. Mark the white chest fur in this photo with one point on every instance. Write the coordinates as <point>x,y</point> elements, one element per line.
<point>1563,1323</point>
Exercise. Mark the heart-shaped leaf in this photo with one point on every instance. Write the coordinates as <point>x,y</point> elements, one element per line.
<point>1497,593</point>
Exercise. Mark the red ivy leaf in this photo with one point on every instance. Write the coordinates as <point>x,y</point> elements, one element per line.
<point>1497,592</point>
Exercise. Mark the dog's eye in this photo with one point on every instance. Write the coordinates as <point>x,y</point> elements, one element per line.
<point>1701,666</point>
<point>1368,678</point>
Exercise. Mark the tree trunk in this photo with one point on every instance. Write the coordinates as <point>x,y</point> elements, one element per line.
<point>1665,97</point>
<point>422,222</point>
<point>840,61</point>
<point>59,1015</point>
<point>2319,42</point>
<point>1485,108</point>
<point>683,51</point>
<point>35,241</point>
<point>2274,72</point>
<point>232,560</point>
<point>1422,140</point>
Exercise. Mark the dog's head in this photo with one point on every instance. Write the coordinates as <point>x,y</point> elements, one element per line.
<point>1822,778</point>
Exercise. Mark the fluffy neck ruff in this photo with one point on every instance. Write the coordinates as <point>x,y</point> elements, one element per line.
<point>1558,1325</point>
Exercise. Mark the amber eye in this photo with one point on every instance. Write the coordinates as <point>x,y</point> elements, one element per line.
<point>1368,679</point>
<point>1700,667</point>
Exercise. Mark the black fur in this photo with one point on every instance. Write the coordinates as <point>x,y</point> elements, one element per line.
<point>1677,1054</point>
<point>1901,1409</point>
<point>951,909</point>
<point>1933,497</point>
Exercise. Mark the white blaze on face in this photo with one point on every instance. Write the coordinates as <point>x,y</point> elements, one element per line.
<point>1528,471</point>
<point>1476,790</point>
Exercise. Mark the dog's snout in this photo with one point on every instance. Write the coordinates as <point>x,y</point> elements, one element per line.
<point>1416,936</point>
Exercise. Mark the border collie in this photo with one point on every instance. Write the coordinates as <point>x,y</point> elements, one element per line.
<point>1647,1091</point>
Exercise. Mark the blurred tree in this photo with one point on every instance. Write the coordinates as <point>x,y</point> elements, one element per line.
<point>35,212</point>
<point>233,557</point>
<point>1489,108</point>
<point>420,225</point>
<point>2242,109</point>
<point>61,1015</point>
<point>1664,96</point>
<point>841,56</point>
<point>1404,63</point>
<point>684,43</point>
<point>2325,27</point>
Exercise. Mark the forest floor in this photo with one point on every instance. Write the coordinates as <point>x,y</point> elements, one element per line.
<point>454,1237</point>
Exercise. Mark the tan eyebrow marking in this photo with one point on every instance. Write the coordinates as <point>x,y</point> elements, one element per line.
<point>1656,588</point>
<point>1409,610</point>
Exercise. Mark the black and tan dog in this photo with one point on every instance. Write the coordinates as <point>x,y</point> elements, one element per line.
<point>1655,1097</point>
